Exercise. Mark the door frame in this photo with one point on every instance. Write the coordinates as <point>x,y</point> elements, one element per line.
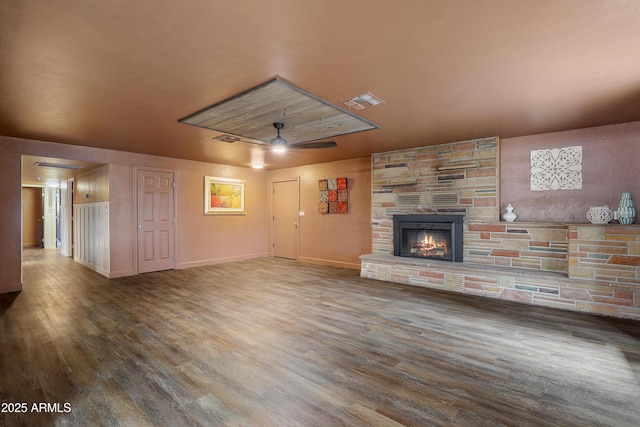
<point>273,207</point>
<point>134,219</point>
<point>66,247</point>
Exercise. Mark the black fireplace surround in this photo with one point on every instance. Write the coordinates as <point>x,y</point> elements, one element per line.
<point>436,237</point>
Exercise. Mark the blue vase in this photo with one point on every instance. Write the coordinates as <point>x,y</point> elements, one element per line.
<point>626,210</point>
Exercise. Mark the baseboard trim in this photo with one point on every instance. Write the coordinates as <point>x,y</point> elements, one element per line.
<point>330,262</point>
<point>95,268</point>
<point>204,263</point>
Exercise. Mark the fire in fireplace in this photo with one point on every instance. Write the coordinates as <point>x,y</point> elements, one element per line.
<point>428,236</point>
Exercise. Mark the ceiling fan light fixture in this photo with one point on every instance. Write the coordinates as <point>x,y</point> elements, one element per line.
<point>278,144</point>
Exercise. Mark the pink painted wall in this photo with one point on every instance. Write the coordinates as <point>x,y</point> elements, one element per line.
<point>207,239</point>
<point>201,239</point>
<point>332,239</point>
<point>610,166</point>
<point>611,155</point>
<point>10,232</point>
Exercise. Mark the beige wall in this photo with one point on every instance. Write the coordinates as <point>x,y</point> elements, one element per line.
<point>332,239</point>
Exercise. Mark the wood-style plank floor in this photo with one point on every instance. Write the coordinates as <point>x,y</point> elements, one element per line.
<point>273,342</point>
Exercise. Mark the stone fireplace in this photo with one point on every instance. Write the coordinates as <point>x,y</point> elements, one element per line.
<point>457,179</point>
<point>437,237</point>
<point>592,268</point>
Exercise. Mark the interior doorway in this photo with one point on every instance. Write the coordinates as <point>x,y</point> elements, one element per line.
<point>155,220</point>
<point>53,179</point>
<point>32,228</point>
<point>286,210</point>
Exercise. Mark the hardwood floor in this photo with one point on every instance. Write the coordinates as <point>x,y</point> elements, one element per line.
<point>273,342</point>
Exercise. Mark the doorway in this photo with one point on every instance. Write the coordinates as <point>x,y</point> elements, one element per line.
<point>32,217</point>
<point>155,220</point>
<point>286,210</point>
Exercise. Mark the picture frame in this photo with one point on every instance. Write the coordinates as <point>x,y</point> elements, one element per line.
<point>224,196</point>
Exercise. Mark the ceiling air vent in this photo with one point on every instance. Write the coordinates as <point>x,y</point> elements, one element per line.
<point>408,199</point>
<point>227,138</point>
<point>363,101</point>
<point>445,199</point>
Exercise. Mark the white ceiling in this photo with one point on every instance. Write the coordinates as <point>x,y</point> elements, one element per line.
<point>119,75</point>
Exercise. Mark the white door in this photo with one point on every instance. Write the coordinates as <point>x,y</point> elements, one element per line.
<point>156,220</point>
<point>286,205</point>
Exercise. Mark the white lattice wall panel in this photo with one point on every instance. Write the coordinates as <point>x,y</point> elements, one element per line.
<point>91,235</point>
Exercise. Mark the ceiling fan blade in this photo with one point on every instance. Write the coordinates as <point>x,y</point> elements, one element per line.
<point>319,144</point>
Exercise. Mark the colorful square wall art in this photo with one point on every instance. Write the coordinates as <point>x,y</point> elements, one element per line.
<point>334,195</point>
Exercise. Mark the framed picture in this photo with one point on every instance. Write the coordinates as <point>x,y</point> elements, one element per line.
<point>223,196</point>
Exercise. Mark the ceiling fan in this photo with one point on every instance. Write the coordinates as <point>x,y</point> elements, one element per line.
<point>279,144</point>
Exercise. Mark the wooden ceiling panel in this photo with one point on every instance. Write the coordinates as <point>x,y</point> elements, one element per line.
<point>251,114</point>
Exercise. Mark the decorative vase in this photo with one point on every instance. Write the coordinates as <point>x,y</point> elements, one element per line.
<point>626,211</point>
<point>599,214</point>
<point>509,216</point>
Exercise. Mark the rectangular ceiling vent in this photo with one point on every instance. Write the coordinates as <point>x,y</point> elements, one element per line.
<point>227,138</point>
<point>57,165</point>
<point>408,199</point>
<point>360,102</point>
<point>445,199</point>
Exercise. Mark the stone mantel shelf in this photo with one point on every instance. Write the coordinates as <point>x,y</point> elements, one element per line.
<point>601,225</point>
<point>552,224</point>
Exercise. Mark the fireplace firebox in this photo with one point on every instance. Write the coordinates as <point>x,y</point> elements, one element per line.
<point>436,237</point>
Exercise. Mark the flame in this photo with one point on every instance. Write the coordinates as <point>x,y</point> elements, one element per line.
<point>429,244</point>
